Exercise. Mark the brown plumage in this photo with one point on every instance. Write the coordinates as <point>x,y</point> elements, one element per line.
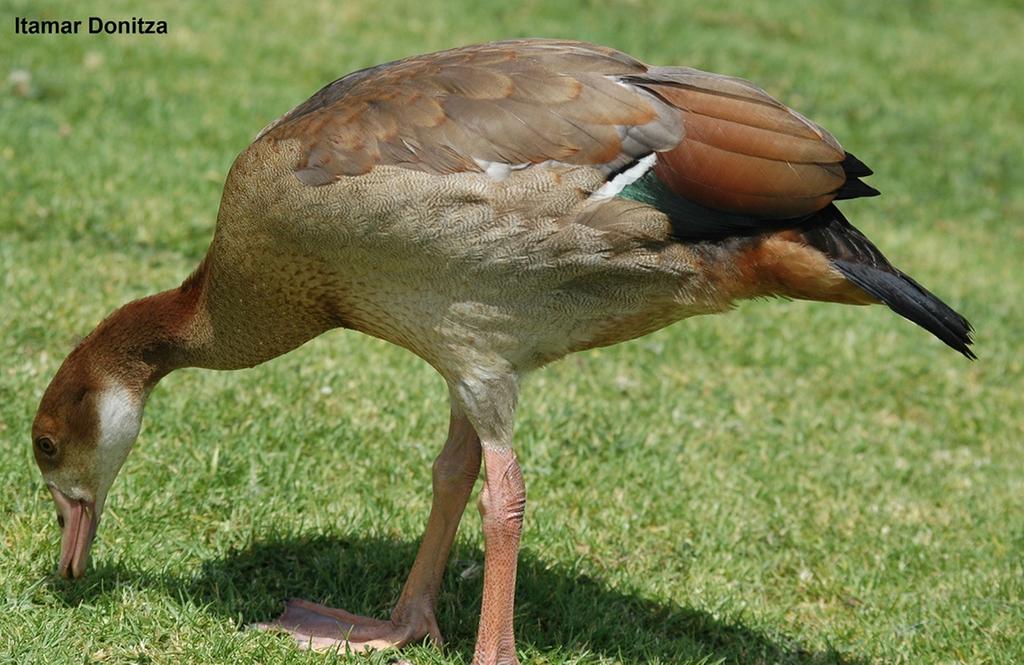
<point>491,209</point>
<point>724,143</point>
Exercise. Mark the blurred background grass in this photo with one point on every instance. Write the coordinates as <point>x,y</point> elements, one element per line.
<point>792,482</point>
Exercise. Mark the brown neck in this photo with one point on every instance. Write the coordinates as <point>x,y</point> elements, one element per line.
<point>146,339</point>
<point>217,319</point>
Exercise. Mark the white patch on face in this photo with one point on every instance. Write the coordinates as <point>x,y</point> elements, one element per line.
<point>119,414</point>
<point>623,180</point>
<point>120,417</point>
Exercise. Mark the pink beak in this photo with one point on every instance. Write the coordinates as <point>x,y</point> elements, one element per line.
<point>79,520</point>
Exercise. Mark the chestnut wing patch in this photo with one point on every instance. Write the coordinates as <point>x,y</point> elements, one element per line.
<point>746,153</point>
<point>694,221</point>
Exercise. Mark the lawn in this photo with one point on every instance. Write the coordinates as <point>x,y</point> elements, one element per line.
<point>792,482</point>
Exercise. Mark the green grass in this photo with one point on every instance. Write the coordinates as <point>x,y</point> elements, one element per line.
<point>792,482</point>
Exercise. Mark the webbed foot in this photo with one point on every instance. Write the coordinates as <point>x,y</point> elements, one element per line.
<point>324,628</point>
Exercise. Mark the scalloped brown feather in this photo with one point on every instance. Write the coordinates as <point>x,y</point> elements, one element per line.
<point>519,102</point>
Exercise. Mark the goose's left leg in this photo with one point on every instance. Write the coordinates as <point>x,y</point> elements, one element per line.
<point>490,402</point>
<point>319,627</point>
<point>502,503</point>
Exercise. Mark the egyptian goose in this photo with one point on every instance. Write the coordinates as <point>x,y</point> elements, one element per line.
<point>491,209</point>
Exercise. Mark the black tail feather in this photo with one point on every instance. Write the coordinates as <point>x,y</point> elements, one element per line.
<point>854,168</point>
<point>864,265</point>
<point>912,301</point>
<point>855,188</point>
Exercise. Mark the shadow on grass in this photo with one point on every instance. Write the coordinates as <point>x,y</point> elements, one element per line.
<point>558,611</point>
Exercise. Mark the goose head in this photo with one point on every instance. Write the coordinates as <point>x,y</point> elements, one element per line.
<point>84,429</point>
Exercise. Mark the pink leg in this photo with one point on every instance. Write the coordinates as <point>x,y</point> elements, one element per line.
<point>454,473</point>
<point>502,502</point>
<point>318,627</point>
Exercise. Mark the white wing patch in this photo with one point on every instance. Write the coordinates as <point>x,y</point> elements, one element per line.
<point>498,171</point>
<point>623,180</point>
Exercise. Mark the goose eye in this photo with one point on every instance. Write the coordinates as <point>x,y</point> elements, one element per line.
<point>46,446</point>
